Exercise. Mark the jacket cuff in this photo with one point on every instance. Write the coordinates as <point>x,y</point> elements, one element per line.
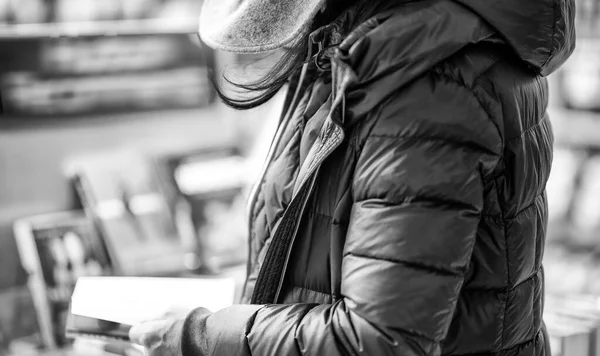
<point>193,334</point>
<point>221,333</point>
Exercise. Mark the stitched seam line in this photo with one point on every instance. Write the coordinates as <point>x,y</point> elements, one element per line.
<point>304,288</point>
<point>442,271</point>
<point>475,96</point>
<point>479,101</point>
<point>503,219</point>
<point>532,205</point>
<point>434,139</point>
<point>552,48</point>
<point>499,352</point>
<point>249,327</point>
<point>258,207</point>
<point>487,70</point>
<point>298,127</point>
<point>533,303</point>
<point>416,334</point>
<point>503,289</point>
<point>529,129</point>
<point>421,199</point>
<point>320,214</point>
<point>289,143</point>
<point>297,326</point>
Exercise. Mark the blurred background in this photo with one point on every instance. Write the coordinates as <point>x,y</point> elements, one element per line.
<point>116,158</point>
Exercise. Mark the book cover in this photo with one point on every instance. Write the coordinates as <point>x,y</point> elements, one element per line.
<point>106,307</point>
<point>56,250</point>
<point>121,193</point>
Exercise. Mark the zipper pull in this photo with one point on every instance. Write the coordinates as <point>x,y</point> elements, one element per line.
<point>318,37</point>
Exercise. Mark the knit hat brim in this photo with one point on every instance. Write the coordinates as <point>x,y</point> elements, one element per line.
<point>255,26</point>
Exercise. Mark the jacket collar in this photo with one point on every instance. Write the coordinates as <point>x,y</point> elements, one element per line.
<point>383,55</point>
<point>395,47</point>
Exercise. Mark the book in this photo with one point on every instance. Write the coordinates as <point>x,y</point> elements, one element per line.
<point>55,250</point>
<point>81,326</point>
<point>107,307</point>
<point>121,192</point>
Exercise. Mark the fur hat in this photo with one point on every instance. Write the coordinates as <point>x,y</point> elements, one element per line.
<point>254,26</point>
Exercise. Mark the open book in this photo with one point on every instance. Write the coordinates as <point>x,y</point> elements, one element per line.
<point>107,307</point>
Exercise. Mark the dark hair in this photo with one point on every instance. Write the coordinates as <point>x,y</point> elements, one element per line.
<point>260,91</point>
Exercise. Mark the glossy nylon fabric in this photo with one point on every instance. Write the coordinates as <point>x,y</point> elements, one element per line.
<point>425,232</point>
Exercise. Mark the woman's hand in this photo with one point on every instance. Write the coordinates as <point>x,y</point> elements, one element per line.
<point>160,337</point>
<point>163,337</point>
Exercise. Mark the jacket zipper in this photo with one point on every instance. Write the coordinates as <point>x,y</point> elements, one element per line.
<point>254,191</point>
<point>279,133</point>
<point>329,144</point>
<point>310,178</point>
<point>289,251</point>
<point>321,154</point>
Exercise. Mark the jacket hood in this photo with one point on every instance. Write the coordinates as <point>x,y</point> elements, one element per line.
<point>541,32</point>
<point>400,44</point>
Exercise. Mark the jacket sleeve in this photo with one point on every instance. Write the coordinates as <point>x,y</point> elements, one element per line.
<point>418,198</point>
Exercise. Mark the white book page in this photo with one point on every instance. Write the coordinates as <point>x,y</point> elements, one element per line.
<point>132,300</point>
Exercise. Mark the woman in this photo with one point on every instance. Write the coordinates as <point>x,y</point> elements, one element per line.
<point>402,210</point>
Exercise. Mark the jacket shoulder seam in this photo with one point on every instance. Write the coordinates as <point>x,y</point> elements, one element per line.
<point>472,90</point>
<point>432,138</point>
<point>527,130</point>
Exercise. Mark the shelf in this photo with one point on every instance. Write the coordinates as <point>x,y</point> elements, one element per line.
<point>99,28</point>
<point>162,118</point>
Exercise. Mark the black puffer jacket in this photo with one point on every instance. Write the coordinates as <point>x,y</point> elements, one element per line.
<point>419,164</point>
